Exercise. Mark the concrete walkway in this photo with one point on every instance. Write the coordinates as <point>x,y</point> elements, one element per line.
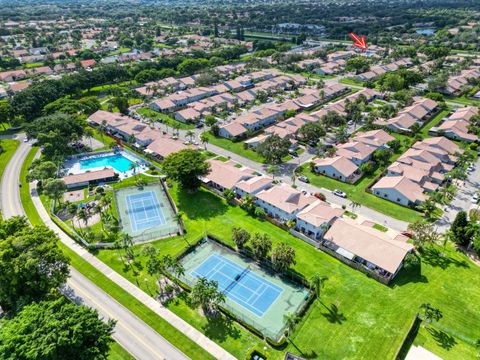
<point>185,328</point>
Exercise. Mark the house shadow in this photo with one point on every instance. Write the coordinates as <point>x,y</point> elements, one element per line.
<point>200,204</point>
<point>443,339</point>
<point>221,328</point>
<point>333,315</point>
<point>433,257</point>
<point>408,276</point>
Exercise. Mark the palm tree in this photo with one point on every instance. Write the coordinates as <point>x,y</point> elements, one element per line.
<point>428,207</point>
<point>204,138</point>
<point>354,204</point>
<point>293,177</point>
<point>178,218</point>
<point>82,214</point>
<point>290,320</point>
<point>317,283</point>
<point>190,134</point>
<point>127,245</point>
<point>89,134</point>
<point>429,313</point>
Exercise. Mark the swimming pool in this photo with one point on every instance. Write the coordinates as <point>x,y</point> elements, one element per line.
<point>116,161</point>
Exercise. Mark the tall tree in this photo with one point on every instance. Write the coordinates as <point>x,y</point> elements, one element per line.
<point>317,283</point>
<point>423,234</point>
<point>185,167</point>
<point>273,149</point>
<point>31,265</point>
<point>240,237</point>
<point>205,294</point>
<point>283,256</point>
<point>53,330</point>
<point>261,245</point>
<point>430,314</point>
<point>460,229</point>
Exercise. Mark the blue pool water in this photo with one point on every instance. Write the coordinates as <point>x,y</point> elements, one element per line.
<point>117,161</point>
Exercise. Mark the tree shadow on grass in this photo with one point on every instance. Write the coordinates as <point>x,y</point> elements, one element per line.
<point>221,328</point>
<point>333,315</point>
<point>311,354</point>
<point>443,339</point>
<point>433,257</point>
<point>200,204</point>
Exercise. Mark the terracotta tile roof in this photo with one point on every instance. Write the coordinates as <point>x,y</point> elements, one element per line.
<point>89,176</point>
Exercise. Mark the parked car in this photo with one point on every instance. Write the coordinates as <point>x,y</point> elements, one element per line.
<point>199,125</point>
<point>339,193</point>
<point>320,196</point>
<point>303,179</point>
<point>475,198</point>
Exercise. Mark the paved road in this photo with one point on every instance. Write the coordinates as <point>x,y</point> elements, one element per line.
<point>132,333</point>
<point>139,339</point>
<point>10,203</point>
<point>462,200</point>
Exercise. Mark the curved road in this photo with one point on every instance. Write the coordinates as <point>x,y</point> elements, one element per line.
<point>139,339</point>
<point>11,204</point>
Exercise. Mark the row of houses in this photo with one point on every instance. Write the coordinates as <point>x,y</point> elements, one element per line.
<point>228,99</point>
<point>418,113</point>
<point>456,84</point>
<point>181,98</point>
<point>378,70</point>
<point>151,140</point>
<point>457,125</point>
<point>288,129</point>
<point>319,221</point>
<point>345,164</point>
<point>171,84</point>
<point>16,75</point>
<point>334,63</point>
<point>420,170</point>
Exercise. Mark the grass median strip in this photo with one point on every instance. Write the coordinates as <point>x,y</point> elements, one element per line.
<point>9,146</point>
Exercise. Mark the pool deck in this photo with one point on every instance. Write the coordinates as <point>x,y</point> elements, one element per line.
<point>73,167</point>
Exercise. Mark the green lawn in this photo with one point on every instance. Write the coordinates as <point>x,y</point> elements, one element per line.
<point>119,51</point>
<point>25,197</point>
<point>432,123</point>
<point>165,119</point>
<point>117,352</point>
<point>235,147</point>
<point>357,317</point>
<point>351,82</point>
<point>9,147</point>
<point>443,344</point>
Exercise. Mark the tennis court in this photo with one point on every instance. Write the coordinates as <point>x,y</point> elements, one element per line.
<point>257,296</point>
<point>243,286</point>
<point>144,211</point>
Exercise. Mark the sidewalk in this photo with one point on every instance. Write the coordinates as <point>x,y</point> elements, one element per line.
<point>195,335</point>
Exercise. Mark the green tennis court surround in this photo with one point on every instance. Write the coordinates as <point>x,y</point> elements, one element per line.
<point>146,213</point>
<point>255,295</point>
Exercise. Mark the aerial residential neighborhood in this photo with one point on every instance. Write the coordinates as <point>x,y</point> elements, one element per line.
<point>239,180</point>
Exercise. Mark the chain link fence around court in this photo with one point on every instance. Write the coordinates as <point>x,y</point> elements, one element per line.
<point>165,225</point>
<point>293,299</point>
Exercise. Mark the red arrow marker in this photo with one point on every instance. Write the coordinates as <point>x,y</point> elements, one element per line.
<point>359,41</point>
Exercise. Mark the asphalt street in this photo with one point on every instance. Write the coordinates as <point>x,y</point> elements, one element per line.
<point>140,340</point>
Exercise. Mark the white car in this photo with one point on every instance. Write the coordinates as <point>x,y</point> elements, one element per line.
<point>339,193</point>
<point>475,198</point>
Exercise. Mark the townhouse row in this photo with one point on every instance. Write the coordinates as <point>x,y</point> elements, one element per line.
<point>420,170</point>
<point>151,140</point>
<point>323,224</point>
<point>456,126</point>
<point>378,70</point>
<point>418,114</point>
<point>345,164</point>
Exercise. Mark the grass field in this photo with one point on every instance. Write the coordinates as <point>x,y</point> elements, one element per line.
<point>117,352</point>
<point>9,147</point>
<point>445,345</point>
<point>235,147</point>
<point>432,123</point>
<point>356,317</point>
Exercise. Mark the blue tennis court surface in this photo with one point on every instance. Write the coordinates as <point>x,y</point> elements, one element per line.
<point>144,211</point>
<point>243,286</point>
